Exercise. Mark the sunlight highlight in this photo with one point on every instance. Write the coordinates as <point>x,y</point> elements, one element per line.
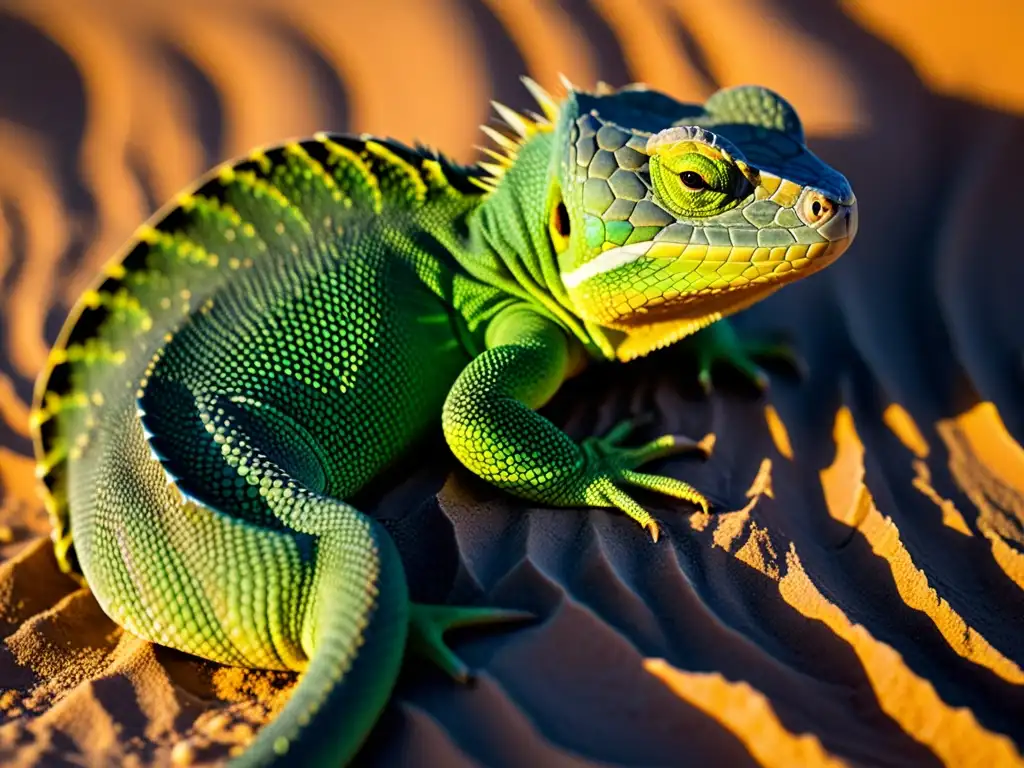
<point>748,714</point>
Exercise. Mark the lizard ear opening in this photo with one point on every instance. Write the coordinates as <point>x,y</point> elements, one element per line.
<point>559,225</point>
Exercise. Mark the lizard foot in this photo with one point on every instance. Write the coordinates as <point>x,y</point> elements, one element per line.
<point>428,623</point>
<point>614,465</point>
<point>719,343</point>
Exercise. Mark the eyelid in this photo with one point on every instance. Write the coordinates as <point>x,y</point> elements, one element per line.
<point>715,177</point>
<point>663,142</point>
<point>715,196</point>
<point>690,162</point>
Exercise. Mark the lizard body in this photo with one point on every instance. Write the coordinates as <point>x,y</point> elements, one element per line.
<point>275,338</point>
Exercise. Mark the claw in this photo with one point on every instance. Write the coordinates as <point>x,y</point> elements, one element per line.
<point>668,486</point>
<point>652,528</point>
<point>659,448</point>
<point>613,465</point>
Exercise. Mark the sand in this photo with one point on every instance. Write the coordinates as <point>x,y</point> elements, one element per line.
<point>857,601</point>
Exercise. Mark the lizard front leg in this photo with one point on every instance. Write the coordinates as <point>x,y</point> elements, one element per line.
<point>491,425</point>
<point>720,343</point>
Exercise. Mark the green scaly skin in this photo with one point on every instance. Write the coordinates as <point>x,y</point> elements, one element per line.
<point>275,338</point>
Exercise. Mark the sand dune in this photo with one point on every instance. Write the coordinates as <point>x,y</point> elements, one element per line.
<point>858,602</point>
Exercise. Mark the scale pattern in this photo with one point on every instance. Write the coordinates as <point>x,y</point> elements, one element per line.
<point>228,354</point>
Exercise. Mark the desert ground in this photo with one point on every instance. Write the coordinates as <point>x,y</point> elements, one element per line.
<point>855,599</point>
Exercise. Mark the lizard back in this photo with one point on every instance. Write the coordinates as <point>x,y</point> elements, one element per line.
<point>252,235</point>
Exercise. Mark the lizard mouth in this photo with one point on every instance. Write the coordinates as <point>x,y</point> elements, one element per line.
<point>702,280</point>
<point>730,299</point>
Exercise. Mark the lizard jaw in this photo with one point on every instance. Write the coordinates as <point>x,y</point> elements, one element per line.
<point>696,280</point>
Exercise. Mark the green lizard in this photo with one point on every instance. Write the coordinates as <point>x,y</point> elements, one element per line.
<point>273,339</point>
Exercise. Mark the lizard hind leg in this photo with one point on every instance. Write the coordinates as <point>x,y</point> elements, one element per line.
<point>428,623</point>
<point>258,464</point>
<point>296,578</point>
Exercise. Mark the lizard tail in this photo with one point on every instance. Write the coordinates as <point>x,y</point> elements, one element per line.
<point>355,630</point>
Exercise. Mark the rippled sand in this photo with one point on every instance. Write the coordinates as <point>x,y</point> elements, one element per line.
<point>862,601</point>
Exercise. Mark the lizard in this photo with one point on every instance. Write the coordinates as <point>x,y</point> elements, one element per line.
<point>278,335</point>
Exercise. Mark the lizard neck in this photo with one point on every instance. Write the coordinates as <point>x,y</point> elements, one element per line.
<point>509,244</point>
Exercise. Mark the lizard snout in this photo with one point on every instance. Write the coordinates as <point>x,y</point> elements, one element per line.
<point>842,223</point>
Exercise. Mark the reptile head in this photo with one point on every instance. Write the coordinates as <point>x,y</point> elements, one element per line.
<point>665,211</point>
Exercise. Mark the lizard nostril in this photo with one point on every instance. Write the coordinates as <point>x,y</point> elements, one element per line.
<point>816,208</point>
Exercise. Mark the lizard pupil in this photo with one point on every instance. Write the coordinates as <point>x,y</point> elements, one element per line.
<point>692,180</point>
<point>560,219</point>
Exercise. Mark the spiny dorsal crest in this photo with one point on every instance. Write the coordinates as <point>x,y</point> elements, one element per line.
<point>523,126</point>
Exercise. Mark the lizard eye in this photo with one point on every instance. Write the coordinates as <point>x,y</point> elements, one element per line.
<point>693,180</point>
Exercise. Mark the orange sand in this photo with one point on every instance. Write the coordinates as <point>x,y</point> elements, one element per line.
<point>858,602</point>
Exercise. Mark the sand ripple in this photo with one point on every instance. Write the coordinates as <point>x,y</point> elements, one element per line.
<point>858,601</point>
